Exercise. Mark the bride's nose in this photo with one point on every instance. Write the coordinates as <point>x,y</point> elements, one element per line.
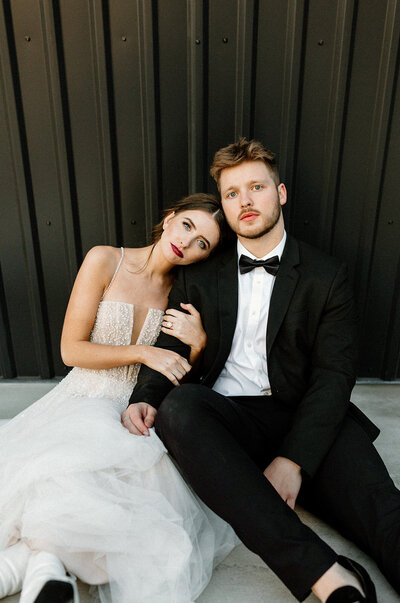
<point>184,242</point>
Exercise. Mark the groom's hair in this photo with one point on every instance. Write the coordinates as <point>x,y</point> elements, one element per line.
<point>243,150</point>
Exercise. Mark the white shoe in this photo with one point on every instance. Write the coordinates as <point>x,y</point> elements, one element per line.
<point>47,582</point>
<point>13,564</point>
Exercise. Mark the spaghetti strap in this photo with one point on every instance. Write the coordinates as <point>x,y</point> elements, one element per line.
<point>115,273</point>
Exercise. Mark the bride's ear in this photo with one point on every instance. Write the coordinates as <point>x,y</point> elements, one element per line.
<point>167,219</point>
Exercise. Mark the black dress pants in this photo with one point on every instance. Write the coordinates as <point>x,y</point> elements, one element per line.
<point>222,446</point>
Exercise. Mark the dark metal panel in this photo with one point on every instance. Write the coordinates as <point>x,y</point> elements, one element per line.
<point>380,340</point>
<point>359,141</point>
<point>290,94</point>
<point>122,30</point>
<point>358,216</point>
<point>131,42</point>
<point>345,18</point>
<point>88,129</point>
<point>328,23</point>
<point>111,110</point>
<point>222,28</point>
<point>197,40</point>
<point>174,100</point>
<point>37,85</point>
<point>385,83</point>
<point>147,88</point>
<point>277,82</point>
<point>245,51</point>
<point>271,42</point>
<point>24,303</point>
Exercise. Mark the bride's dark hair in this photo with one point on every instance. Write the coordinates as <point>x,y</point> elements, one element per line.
<point>197,201</point>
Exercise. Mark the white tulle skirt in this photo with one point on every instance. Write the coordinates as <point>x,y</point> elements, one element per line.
<point>112,506</point>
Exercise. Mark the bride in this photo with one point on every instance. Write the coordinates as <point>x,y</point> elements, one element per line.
<point>78,491</point>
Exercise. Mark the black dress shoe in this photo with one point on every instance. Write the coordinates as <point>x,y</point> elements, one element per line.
<point>347,594</point>
<point>56,591</point>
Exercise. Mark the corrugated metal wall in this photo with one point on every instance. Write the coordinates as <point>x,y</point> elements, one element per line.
<point>109,110</point>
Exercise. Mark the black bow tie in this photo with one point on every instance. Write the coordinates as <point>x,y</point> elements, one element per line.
<point>271,265</point>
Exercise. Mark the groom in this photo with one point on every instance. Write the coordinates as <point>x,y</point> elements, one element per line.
<point>268,421</point>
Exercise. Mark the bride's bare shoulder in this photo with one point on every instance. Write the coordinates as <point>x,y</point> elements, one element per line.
<point>102,257</point>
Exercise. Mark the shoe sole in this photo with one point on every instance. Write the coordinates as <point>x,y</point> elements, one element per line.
<point>56,591</point>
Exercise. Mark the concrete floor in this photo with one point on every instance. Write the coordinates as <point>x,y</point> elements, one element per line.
<point>242,577</point>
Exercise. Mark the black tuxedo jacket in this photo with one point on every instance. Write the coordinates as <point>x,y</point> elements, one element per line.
<point>311,342</point>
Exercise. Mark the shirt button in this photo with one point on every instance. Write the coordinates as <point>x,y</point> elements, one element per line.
<point>249,344</point>
<point>253,313</point>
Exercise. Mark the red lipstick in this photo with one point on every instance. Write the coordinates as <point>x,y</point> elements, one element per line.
<point>177,251</point>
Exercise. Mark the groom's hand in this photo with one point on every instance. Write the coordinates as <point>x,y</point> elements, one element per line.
<point>285,476</point>
<point>138,418</point>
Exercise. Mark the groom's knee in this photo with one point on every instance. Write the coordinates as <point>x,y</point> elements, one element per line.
<point>178,413</point>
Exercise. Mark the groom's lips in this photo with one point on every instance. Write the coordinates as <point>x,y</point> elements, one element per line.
<point>248,217</point>
<point>177,251</point>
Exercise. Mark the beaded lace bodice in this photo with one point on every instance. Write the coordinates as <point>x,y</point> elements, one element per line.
<point>113,326</point>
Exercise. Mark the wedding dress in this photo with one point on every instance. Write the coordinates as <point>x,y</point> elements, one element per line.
<point>111,505</point>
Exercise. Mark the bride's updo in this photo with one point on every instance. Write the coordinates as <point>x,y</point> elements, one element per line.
<point>199,202</point>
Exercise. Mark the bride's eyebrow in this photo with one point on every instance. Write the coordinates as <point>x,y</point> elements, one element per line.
<point>202,236</point>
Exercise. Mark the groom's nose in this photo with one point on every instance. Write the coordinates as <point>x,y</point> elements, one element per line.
<point>245,199</point>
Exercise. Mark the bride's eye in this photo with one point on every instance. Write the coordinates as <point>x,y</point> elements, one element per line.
<point>201,244</point>
<point>187,225</point>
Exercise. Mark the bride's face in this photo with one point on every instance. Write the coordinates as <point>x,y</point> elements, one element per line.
<point>189,236</point>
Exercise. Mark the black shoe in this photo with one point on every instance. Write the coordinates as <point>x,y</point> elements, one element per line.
<point>347,594</point>
<point>56,591</point>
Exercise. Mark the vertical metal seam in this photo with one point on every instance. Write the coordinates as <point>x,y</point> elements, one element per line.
<point>290,93</point>
<point>335,116</point>
<point>147,101</point>
<point>57,130</point>
<point>101,104</point>
<point>191,93</point>
<point>194,94</point>
<point>244,22</point>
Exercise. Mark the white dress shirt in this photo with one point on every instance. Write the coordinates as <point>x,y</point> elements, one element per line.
<point>245,372</point>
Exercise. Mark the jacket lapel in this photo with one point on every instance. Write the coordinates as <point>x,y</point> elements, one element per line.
<point>284,286</point>
<point>227,306</point>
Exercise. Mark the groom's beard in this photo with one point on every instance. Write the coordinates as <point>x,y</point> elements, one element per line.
<point>268,227</point>
<point>268,223</point>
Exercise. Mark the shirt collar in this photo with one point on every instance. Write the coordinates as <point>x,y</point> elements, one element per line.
<point>278,250</point>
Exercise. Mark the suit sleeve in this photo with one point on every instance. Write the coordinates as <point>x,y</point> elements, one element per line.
<point>320,414</point>
<point>152,386</point>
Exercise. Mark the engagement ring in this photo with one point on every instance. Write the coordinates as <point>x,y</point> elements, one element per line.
<point>168,325</point>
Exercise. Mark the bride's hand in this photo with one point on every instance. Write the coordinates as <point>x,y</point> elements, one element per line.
<point>186,327</point>
<point>170,364</point>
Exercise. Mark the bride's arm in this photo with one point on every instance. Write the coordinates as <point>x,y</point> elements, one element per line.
<point>76,349</point>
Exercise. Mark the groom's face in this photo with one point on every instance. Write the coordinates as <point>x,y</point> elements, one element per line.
<point>251,199</point>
